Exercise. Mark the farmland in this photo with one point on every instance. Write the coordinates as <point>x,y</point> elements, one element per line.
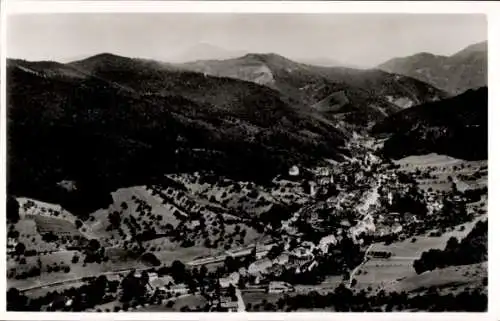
<point>451,278</point>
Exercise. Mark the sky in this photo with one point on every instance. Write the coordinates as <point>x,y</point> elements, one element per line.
<point>357,39</point>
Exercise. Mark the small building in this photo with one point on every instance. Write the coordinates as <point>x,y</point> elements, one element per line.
<point>228,305</point>
<point>325,242</point>
<point>279,287</point>
<point>260,266</point>
<point>282,259</point>
<point>312,188</point>
<point>294,171</point>
<point>233,279</point>
<point>176,288</point>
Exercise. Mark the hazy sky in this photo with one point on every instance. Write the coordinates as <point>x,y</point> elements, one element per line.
<point>362,39</point>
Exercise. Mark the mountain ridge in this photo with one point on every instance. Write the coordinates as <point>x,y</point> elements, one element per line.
<point>457,127</point>
<point>463,70</point>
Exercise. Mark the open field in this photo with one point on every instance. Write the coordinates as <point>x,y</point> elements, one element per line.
<point>383,272</point>
<point>451,278</point>
<point>378,272</point>
<point>442,166</point>
<point>51,218</point>
<point>29,236</point>
<point>191,301</point>
<point>328,285</point>
<point>257,297</point>
<point>77,270</point>
<point>423,243</point>
<point>58,226</point>
<point>433,159</point>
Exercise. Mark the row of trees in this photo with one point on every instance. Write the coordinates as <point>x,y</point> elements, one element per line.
<point>344,300</point>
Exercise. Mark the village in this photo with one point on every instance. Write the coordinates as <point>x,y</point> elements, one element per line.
<point>345,208</point>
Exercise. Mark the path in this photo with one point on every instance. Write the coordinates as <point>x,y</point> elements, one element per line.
<point>353,273</point>
<point>241,303</point>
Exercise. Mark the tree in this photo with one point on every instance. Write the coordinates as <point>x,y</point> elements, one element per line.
<point>241,283</point>
<point>452,244</point>
<point>12,209</point>
<point>94,245</point>
<point>15,300</point>
<point>20,248</point>
<point>151,259</point>
<point>230,263</point>
<point>178,270</point>
<point>231,291</point>
<point>274,252</point>
<point>203,272</point>
<point>114,219</point>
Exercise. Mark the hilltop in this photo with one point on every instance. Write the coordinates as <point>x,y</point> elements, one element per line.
<point>124,122</point>
<point>371,94</point>
<point>466,69</point>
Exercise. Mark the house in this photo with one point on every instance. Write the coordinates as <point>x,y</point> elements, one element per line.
<point>279,287</point>
<point>160,282</point>
<point>233,279</point>
<point>409,217</point>
<point>282,259</point>
<point>176,288</point>
<point>259,267</point>
<point>11,242</point>
<point>294,171</point>
<point>228,305</point>
<point>301,259</point>
<point>322,171</point>
<point>366,226</point>
<point>312,188</point>
<point>325,242</point>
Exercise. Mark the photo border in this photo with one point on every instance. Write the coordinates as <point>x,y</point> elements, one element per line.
<point>491,9</point>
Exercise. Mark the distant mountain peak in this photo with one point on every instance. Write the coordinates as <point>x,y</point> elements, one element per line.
<point>101,57</point>
<point>481,47</point>
<point>455,74</point>
<point>205,51</point>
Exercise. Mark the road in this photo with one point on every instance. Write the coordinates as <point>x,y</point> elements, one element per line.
<point>193,263</point>
<point>241,303</point>
<point>221,258</point>
<point>76,280</point>
<point>353,273</point>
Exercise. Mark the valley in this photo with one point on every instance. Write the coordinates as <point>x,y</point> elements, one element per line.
<point>254,183</point>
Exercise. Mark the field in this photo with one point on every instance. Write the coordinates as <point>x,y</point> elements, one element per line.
<point>58,226</point>
<point>328,285</point>
<point>100,221</point>
<point>384,272</point>
<point>440,167</point>
<point>451,278</point>
<point>191,301</point>
<point>255,298</point>
<point>29,236</point>
<point>378,273</point>
<point>77,270</point>
<point>407,248</point>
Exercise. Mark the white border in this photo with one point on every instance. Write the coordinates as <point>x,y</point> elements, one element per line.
<point>489,8</point>
<point>16,6</point>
